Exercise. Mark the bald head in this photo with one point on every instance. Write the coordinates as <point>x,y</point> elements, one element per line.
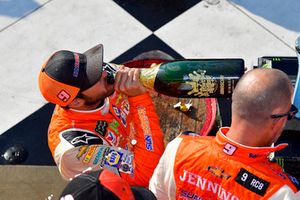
<point>259,92</point>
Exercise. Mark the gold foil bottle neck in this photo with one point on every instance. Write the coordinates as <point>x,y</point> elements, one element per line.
<point>148,76</point>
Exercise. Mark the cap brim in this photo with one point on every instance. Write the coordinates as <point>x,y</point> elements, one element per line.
<point>94,64</point>
<point>141,193</point>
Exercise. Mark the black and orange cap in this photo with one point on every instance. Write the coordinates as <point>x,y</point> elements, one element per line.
<point>66,73</point>
<point>103,184</point>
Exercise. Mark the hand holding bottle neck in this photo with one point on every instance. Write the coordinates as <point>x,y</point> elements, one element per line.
<point>127,80</point>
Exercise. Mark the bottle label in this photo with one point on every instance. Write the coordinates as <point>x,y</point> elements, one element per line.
<point>202,85</point>
<point>148,76</point>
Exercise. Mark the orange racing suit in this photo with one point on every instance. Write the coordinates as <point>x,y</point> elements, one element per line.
<point>123,136</point>
<point>218,168</point>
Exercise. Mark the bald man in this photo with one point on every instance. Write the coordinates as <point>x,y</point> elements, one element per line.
<point>234,164</point>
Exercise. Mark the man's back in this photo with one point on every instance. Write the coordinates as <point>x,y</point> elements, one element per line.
<point>234,166</point>
<point>217,168</point>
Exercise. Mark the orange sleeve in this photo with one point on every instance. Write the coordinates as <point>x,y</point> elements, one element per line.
<point>149,137</point>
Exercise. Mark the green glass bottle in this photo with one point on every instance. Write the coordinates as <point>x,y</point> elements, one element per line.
<point>194,78</point>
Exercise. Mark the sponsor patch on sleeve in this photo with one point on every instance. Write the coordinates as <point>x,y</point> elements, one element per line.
<point>119,159</point>
<point>113,158</point>
<point>79,137</point>
<point>252,182</point>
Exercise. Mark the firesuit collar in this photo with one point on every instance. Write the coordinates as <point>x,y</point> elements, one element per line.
<point>231,147</point>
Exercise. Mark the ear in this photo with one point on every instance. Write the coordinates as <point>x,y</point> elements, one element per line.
<point>76,103</point>
<point>278,123</point>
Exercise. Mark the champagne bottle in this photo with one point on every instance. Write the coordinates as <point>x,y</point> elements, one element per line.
<point>194,78</point>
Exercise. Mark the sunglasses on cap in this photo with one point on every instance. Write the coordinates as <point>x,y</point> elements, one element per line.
<point>290,114</point>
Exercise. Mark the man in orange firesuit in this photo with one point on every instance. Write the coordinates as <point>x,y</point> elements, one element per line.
<point>101,120</point>
<point>234,164</point>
